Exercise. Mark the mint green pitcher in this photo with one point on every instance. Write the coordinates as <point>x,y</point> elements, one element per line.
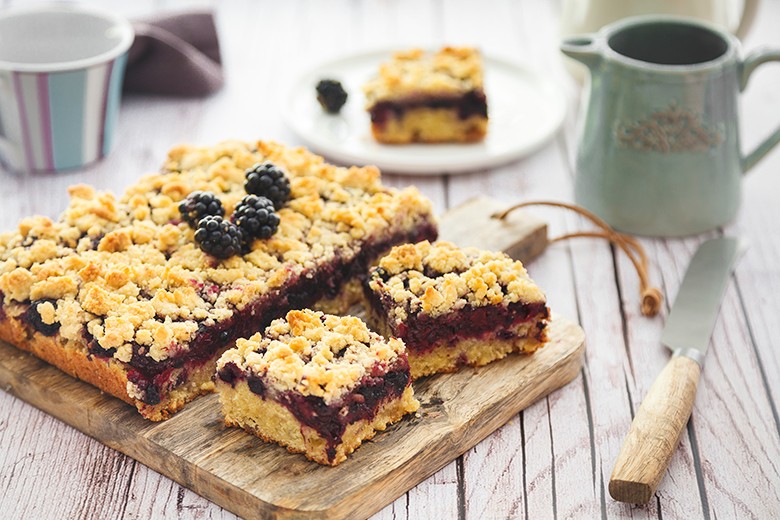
<point>659,150</point>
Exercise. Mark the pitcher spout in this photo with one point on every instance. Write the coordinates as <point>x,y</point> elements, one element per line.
<point>584,49</point>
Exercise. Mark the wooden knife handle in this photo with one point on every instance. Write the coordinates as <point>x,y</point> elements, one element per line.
<point>655,432</point>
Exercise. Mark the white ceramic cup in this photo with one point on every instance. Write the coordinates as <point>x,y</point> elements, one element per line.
<point>61,72</point>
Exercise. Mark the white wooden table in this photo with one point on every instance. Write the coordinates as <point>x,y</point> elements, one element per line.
<point>552,460</point>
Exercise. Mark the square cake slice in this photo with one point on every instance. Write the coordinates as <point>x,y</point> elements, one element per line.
<point>315,383</point>
<point>118,293</point>
<point>454,307</point>
<point>429,98</point>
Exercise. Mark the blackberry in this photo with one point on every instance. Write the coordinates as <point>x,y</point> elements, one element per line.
<point>218,237</point>
<point>268,180</point>
<point>331,95</point>
<point>199,204</point>
<point>255,217</point>
<point>34,319</point>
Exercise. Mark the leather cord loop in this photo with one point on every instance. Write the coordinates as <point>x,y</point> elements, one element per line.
<point>651,296</point>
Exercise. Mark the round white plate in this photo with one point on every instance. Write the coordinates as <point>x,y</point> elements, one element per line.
<point>525,111</point>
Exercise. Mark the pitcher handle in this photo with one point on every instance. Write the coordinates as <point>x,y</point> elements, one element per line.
<point>750,64</point>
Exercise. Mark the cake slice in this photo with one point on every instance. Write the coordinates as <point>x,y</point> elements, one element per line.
<point>316,384</point>
<point>454,307</point>
<point>118,293</point>
<point>429,97</point>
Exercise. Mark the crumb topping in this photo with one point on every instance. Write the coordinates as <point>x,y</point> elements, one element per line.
<point>440,277</point>
<point>450,71</point>
<point>314,354</point>
<point>127,271</point>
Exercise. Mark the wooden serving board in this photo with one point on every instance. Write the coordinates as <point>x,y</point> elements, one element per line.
<point>259,480</point>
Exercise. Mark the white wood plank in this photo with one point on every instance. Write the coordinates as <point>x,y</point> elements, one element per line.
<point>499,464</point>
<point>758,278</point>
<point>49,470</point>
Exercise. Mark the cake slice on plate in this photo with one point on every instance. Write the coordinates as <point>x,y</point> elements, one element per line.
<point>454,307</point>
<point>420,97</point>
<point>315,383</point>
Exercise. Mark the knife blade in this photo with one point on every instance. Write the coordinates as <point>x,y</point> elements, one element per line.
<point>665,410</point>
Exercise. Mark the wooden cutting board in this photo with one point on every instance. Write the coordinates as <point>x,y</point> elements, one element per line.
<point>259,480</point>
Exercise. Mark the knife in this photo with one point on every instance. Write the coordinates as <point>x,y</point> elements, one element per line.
<point>655,431</point>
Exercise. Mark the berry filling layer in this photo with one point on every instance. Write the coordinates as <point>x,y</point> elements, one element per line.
<point>422,333</point>
<point>330,420</point>
<point>473,103</point>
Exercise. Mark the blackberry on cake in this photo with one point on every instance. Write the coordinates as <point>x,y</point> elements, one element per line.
<point>269,181</point>
<point>429,97</point>
<point>454,307</point>
<point>118,293</point>
<point>199,204</point>
<point>218,237</point>
<point>256,217</point>
<point>315,383</point>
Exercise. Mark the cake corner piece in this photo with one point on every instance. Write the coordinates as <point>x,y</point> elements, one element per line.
<point>455,307</point>
<point>316,384</point>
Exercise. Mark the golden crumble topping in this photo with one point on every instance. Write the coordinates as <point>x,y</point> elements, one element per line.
<point>314,353</point>
<point>440,277</point>
<point>128,271</point>
<point>451,70</point>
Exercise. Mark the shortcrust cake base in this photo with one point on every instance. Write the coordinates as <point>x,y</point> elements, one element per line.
<point>468,352</point>
<point>199,382</point>
<point>430,125</point>
<point>448,357</point>
<point>273,422</point>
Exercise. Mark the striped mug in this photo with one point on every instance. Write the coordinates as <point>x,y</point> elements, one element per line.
<point>61,71</point>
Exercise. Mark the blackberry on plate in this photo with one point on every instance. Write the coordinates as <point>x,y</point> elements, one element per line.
<point>268,180</point>
<point>218,237</point>
<point>331,95</point>
<point>256,218</point>
<point>199,204</point>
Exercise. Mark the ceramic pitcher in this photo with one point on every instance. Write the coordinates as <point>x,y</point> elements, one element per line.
<point>659,150</point>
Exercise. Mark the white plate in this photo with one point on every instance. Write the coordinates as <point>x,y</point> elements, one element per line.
<point>525,111</point>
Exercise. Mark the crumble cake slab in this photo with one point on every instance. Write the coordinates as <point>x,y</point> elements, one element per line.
<point>117,293</point>
<point>454,306</point>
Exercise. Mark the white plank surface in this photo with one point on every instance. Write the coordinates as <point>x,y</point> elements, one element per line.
<point>555,458</point>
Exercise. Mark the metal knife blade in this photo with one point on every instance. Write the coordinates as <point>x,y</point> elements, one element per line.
<point>690,322</point>
<point>665,410</point>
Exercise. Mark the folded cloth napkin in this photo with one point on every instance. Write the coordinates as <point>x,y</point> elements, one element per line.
<point>176,55</point>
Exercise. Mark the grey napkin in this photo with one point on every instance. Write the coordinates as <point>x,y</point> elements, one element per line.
<point>175,55</point>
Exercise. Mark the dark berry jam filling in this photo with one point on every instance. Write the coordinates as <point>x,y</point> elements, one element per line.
<point>330,421</point>
<point>300,292</point>
<point>2,306</point>
<point>472,103</point>
<point>34,320</point>
<point>422,332</point>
